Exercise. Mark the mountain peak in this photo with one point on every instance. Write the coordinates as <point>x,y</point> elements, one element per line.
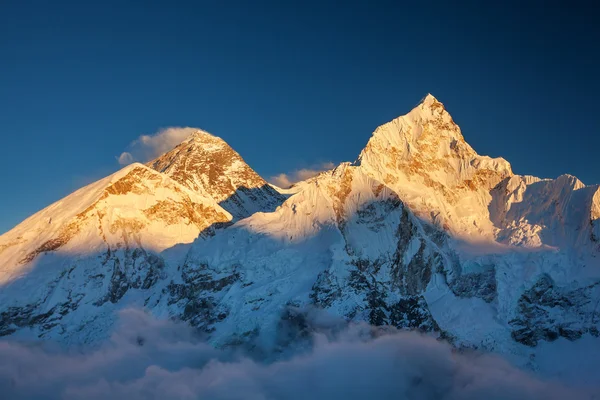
<point>429,100</point>
<point>206,141</point>
<point>428,129</point>
<point>423,156</point>
<point>431,108</point>
<point>206,164</point>
<point>200,134</point>
<point>427,141</point>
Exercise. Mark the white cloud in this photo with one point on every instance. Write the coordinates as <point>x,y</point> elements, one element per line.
<point>286,180</point>
<point>147,147</point>
<point>125,158</point>
<point>153,359</point>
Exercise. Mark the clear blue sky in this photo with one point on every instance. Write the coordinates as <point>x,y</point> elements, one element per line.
<point>288,84</point>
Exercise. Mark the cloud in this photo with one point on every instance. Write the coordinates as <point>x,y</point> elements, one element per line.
<point>147,358</point>
<point>125,158</point>
<point>147,147</point>
<point>286,180</point>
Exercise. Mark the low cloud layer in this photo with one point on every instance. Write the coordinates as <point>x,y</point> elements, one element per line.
<point>151,359</point>
<point>147,147</point>
<point>287,180</point>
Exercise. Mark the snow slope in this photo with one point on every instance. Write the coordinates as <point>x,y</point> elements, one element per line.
<point>94,244</point>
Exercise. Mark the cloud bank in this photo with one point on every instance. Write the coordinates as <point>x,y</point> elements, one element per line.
<point>147,147</point>
<point>151,359</point>
<point>286,180</point>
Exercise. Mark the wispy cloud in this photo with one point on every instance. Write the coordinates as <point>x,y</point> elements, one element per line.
<point>286,180</point>
<point>125,158</point>
<point>147,147</point>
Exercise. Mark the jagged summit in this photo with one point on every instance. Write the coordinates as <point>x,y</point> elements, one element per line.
<point>429,100</point>
<point>429,123</point>
<point>423,156</point>
<point>206,164</point>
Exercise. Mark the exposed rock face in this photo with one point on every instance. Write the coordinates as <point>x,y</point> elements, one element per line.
<point>207,164</point>
<point>197,294</point>
<point>89,283</point>
<point>420,233</point>
<point>477,284</point>
<point>547,312</point>
<point>136,269</point>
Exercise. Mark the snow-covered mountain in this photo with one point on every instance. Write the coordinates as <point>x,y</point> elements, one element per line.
<point>206,164</point>
<point>420,232</point>
<point>94,245</point>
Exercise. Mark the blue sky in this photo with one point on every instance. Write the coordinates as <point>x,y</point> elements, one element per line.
<point>289,85</point>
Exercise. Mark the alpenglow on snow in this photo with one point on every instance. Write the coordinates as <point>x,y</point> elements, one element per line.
<point>420,232</point>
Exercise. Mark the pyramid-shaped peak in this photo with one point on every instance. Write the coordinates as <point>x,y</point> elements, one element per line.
<point>199,133</point>
<point>205,141</point>
<point>428,123</point>
<point>202,135</point>
<point>206,164</point>
<point>430,101</point>
<point>426,142</point>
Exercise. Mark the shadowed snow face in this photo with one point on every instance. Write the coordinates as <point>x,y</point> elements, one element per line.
<point>151,359</point>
